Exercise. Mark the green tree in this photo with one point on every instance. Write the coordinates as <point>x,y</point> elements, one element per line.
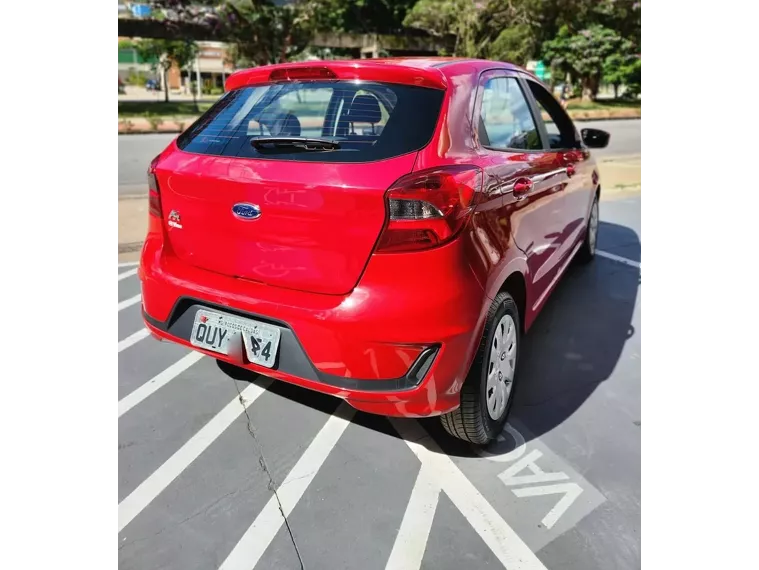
<point>362,16</point>
<point>583,54</point>
<point>622,68</point>
<point>516,30</point>
<point>514,44</point>
<point>548,17</point>
<point>168,52</point>
<point>126,44</point>
<point>262,31</point>
<point>462,18</point>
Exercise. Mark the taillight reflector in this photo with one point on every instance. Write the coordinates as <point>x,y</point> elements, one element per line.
<point>429,208</point>
<point>154,193</point>
<point>301,73</point>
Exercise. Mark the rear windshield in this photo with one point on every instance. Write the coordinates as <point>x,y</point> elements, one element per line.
<point>369,121</point>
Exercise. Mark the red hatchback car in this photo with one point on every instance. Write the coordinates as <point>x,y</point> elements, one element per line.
<point>384,231</point>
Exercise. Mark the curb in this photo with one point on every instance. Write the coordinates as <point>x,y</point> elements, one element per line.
<point>130,247</point>
<point>619,158</point>
<point>606,119</point>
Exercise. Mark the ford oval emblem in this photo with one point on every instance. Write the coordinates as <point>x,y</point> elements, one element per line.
<point>246,211</point>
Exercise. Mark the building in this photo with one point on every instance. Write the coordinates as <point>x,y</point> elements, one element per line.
<point>212,65</point>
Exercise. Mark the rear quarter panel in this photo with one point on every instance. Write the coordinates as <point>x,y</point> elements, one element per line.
<point>490,251</point>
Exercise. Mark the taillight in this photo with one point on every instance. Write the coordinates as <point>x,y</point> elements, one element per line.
<point>429,208</point>
<point>301,73</point>
<point>154,193</point>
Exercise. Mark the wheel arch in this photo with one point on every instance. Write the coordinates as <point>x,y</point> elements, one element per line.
<point>516,286</point>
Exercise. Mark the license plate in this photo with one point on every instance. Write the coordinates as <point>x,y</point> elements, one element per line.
<point>228,334</point>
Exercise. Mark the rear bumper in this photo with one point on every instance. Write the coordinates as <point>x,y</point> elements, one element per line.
<point>397,350</point>
<point>292,360</point>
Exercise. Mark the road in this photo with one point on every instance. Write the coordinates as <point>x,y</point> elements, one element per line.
<point>136,151</point>
<point>198,469</point>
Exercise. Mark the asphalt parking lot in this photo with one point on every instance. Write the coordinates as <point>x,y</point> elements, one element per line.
<point>245,472</point>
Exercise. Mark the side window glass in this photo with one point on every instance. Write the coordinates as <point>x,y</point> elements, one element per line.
<point>561,131</point>
<point>505,119</point>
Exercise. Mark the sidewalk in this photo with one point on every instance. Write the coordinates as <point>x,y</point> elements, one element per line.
<point>620,177</point>
<point>135,93</point>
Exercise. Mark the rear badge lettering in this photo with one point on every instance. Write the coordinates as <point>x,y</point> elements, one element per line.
<point>174,220</point>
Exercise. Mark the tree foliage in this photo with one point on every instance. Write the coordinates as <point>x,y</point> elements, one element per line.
<point>362,16</point>
<point>591,40</point>
<point>588,54</point>
<point>576,36</point>
<point>623,68</point>
<point>167,53</point>
<point>461,18</point>
<point>265,32</point>
<point>269,31</point>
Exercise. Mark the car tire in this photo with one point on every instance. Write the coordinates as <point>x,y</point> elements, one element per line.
<point>587,251</point>
<point>482,415</point>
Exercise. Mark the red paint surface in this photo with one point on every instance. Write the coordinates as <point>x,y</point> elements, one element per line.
<point>311,259</point>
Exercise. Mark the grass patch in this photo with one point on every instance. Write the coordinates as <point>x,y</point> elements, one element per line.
<point>603,105</point>
<point>161,109</point>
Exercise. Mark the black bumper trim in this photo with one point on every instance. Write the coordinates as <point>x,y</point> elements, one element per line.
<point>292,359</point>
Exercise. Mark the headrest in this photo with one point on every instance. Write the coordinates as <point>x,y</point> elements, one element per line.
<point>365,109</point>
<point>287,126</point>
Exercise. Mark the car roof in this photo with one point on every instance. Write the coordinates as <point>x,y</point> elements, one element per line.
<point>447,65</point>
<point>423,71</point>
<point>428,62</point>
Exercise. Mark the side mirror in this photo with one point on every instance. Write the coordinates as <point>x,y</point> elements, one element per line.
<point>595,138</point>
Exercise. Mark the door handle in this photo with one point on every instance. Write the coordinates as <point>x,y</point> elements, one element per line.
<point>568,159</point>
<point>522,186</point>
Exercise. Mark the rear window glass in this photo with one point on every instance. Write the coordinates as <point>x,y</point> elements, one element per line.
<point>369,121</point>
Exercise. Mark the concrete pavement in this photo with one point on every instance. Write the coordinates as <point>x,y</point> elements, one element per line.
<point>203,471</point>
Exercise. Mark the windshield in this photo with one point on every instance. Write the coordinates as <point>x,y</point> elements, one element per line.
<point>369,121</point>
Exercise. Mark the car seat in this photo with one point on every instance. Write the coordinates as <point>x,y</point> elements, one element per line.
<point>364,109</point>
<point>287,126</point>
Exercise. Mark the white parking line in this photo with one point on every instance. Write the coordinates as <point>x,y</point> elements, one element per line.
<point>411,540</point>
<point>248,551</point>
<point>129,302</point>
<point>133,338</point>
<point>502,540</point>
<point>618,258</point>
<point>128,264</point>
<point>158,381</point>
<point>151,487</point>
<point>125,274</point>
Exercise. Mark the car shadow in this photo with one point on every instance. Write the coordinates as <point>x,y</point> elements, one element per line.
<point>573,346</point>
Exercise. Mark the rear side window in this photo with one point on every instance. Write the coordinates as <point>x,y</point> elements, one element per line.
<point>505,119</point>
<point>369,121</point>
<point>561,131</point>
